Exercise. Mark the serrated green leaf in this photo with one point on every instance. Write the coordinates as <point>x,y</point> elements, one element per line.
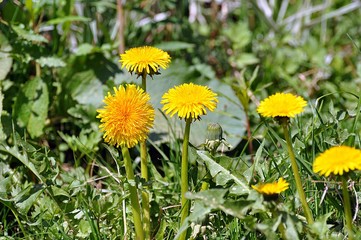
<point>237,208</point>
<point>320,226</point>
<point>5,169</point>
<point>31,106</point>
<point>23,158</point>
<point>57,191</point>
<point>4,185</point>
<point>26,199</point>
<point>86,141</point>
<point>50,62</point>
<point>215,200</point>
<point>28,35</point>
<point>222,175</point>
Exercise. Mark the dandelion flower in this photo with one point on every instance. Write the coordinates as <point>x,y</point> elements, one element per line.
<point>189,101</point>
<point>337,161</point>
<point>281,105</point>
<point>272,188</point>
<point>127,116</point>
<point>145,58</point>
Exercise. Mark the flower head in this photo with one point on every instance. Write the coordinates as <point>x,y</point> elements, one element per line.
<point>281,105</point>
<point>189,101</point>
<point>127,116</point>
<point>269,189</point>
<point>146,58</point>
<point>337,160</point>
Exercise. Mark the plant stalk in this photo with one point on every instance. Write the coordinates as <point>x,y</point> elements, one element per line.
<point>145,194</point>
<point>296,174</point>
<point>347,208</point>
<point>184,176</point>
<point>134,201</point>
<point>144,173</point>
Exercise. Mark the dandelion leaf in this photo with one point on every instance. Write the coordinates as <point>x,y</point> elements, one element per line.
<point>31,106</point>
<point>222,175</point>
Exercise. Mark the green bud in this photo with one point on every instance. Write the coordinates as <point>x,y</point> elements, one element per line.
<point>214,137</point>
<point>214,132</point>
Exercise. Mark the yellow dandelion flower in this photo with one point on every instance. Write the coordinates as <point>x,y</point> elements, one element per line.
<point>337,160</point>
<point>189,101</point>
<point>127,116</point>
<point>272,188</point>
<point>281,105</point>
<point>145,58</point>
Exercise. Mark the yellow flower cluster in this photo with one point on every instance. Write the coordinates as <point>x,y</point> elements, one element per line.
<point>128,116</point>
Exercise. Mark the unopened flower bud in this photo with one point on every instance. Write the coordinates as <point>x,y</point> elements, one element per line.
<point>214,132</point>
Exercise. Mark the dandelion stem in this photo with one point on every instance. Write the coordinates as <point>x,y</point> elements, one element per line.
<point>134,201</point>
<point>296,174</point>
<point>144,174</point>
<point>184,176</point>
<point>347,207</point>
<point>145,194</point>
<point>144,80</point>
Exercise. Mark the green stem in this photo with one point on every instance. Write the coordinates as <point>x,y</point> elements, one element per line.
<point>347,207</point>
<point>144,80</point>
<point>144,174</point>
<point>134,201</point>
<point>184,176</point>
<point>145,194</point>
<point>37,70</point>
<point>296,174</point>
